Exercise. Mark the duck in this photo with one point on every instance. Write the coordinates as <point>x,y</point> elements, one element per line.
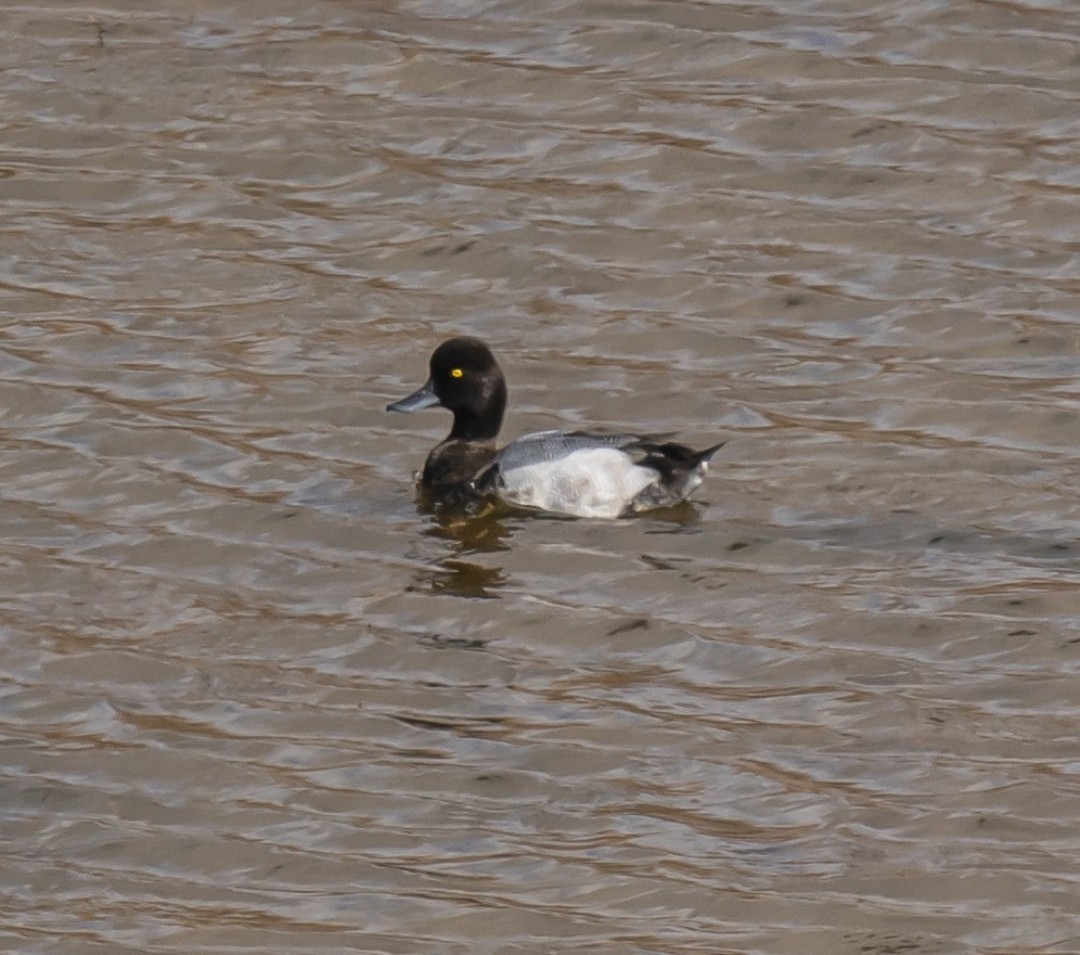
<point>570,473</point>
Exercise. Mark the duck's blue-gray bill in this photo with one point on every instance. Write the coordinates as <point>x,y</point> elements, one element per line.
<point>424,398</point>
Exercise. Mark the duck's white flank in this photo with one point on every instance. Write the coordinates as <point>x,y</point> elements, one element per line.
<point>592,482</point>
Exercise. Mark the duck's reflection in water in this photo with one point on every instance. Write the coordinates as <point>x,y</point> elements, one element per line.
<point>469,531</point>
<point>487,528</point>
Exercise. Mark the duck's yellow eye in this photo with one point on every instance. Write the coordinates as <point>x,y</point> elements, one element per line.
<point>456,373</point>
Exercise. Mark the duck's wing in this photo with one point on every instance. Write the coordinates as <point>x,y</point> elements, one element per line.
<point>547,447</point>
<point>593,473</point>
<point>585,473</point>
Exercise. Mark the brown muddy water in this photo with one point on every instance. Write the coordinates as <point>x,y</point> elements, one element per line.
<point>254,700</point>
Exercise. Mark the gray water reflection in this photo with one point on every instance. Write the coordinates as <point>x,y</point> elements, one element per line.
<point>470,535</point>
<point>255,698</point>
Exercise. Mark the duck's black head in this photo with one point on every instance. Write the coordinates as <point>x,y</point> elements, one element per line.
<point>466,379</point>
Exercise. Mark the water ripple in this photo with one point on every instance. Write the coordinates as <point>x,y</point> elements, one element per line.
<point>255,699</point>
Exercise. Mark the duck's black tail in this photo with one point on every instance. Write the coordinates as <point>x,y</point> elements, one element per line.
<point>672,459</point>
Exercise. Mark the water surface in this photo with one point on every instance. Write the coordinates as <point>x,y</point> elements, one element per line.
<point>255,700</point>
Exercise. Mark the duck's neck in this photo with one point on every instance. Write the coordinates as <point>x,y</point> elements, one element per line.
<point>471,424</point>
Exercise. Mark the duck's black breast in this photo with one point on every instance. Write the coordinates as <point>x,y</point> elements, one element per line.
<point>452,465</point>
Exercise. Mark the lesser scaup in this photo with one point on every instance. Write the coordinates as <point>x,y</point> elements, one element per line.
<point>578,473</point>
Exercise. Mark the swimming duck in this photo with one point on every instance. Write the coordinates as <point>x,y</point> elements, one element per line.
<point>577,473</point>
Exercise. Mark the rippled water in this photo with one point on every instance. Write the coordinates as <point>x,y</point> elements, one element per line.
<point>254,700</point>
